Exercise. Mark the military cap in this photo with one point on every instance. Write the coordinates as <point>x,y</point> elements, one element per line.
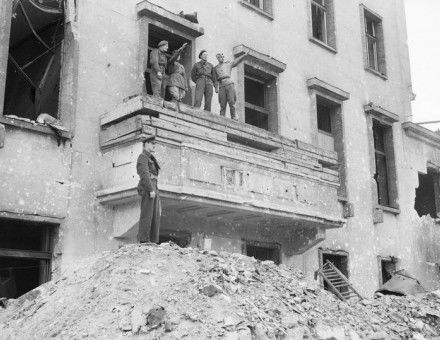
<point>162,43</point>
<point>201,52</point>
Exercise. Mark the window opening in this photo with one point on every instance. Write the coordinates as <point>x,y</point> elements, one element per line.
<point>34,61</point>
<point>319,20</point>
<point>381,160</point>
<point>25,255</point>
<point>263,251</point>
<point>388,268</point>
<point>425,202</point>
<point>339,261</point>
<point>256,93</point>
<point>157,34</point>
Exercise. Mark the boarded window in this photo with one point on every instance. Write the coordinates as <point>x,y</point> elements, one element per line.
<point>35,45</point>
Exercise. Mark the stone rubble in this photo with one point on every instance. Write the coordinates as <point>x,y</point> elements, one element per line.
<point>167,292</point>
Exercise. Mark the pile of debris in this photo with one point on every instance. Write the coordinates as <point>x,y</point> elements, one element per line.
<point>169,292</point>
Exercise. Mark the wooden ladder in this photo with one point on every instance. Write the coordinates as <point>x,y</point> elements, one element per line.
<point>337,282</point>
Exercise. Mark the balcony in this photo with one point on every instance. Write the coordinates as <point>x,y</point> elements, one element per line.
<point>218,171</point>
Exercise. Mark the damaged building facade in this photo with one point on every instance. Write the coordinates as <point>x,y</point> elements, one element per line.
<point>322,164</point>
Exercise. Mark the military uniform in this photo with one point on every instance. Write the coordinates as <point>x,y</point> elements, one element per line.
<point>203,75</point>
<point>158,63</point>
<point>177,83</point>
<point>226,93</point>
<point>149,221</point>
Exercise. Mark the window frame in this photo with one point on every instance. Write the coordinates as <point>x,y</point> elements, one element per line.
<point>378,37</point>
<point>264,8</point>
<point>327,6</point>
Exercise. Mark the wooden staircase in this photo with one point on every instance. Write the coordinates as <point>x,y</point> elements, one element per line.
<point>337,282</point>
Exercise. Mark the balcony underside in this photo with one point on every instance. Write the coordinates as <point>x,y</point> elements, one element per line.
<point>228,207</point>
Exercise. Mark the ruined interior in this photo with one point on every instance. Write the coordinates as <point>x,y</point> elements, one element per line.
<point>33,73</point>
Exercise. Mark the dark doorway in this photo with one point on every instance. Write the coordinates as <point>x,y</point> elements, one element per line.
<point>340,261</point>
<point>181,238</point>
<point>264,251</point>
<point>425,203</point>
<point>387,268</point>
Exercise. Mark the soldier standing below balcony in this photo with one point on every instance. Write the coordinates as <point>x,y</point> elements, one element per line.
<point>226,92</point>
<point>203,75</point>
<point>148,171</point>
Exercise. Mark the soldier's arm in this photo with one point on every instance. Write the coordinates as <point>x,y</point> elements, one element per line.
<point>239,59</point>
<point>144,172</point>
<point>176,54</point>
<point>214,78</point>
<point>194,73</point>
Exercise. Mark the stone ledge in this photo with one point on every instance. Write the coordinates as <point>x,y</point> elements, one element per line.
<point>39,128</point>
<point>381,114</point>
<point>323,45</point>
<point>421,133</point>
<point>330,90</point>
<point>146,8</point>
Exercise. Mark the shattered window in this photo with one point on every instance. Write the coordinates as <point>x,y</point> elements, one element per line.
<point>425,202</point>
<point>33,73</point>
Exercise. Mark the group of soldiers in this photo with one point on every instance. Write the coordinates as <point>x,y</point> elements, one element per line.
<point>169,74</point>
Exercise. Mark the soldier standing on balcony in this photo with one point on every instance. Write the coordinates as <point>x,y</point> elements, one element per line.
<point>148,171</point>
<point>203,76</point>
<point>159,63</point>
<point>178,84</point>
<point>226,92</point>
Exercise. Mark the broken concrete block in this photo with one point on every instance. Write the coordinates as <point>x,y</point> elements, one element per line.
<point>325,332</point>
<point>210,290</point>
<point>156,316</point>
<point>138,319</point>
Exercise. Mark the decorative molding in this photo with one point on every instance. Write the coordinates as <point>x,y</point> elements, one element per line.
<point>267,62</point>
<point>329,90</point>
<point>422,134</point>
<point>381,114</point>
<point>146,8</point>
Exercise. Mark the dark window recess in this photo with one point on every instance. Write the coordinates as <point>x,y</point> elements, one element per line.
<point>340,262</point>
<point>181,238</point>
<point>324,115</point>
<point>381,175</point>
<point>425,203</point>
<point>264,252</point>
<point>256,118</point>
<point>319,20</point>
<point>388,268</point>
<point>34,65</point>
<point>157,34</point>
<point>255,93</point>
<point>25,252</point>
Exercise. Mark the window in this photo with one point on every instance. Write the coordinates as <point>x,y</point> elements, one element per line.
<point>157,34</point>
<point>25,256</point>
<point>323,23</point>
<point>261,6</point>
<point>374,49</point>
<point>339,259</point>
<point>327,102</point>
<point>263,251</point>
<point>258,93</point>
<point>428,195</point>
<point>34,65</point>
<point>381,160</point>
<point>387,267</point>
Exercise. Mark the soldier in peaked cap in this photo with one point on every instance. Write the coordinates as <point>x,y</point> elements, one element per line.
<point>148,170</point>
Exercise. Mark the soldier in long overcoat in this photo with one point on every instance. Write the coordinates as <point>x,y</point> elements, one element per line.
<point>148,171</point>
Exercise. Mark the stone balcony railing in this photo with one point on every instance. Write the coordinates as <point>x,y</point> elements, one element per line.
<point>229,168</point>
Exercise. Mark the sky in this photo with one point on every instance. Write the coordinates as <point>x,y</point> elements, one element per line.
<point>424,49</point>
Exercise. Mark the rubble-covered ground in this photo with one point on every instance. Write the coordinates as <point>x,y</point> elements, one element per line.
<point>167,292</point>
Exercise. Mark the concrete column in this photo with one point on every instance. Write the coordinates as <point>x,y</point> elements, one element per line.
<point>5,29</point>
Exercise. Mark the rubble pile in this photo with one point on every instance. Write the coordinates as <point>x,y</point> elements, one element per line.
<point>167,292</point>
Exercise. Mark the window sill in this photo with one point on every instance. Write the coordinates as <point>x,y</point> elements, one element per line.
<point>323,45</point>
<point>39,128</point>
<point>373,71</point>
<point>394,211</point>
<point>256,9</point>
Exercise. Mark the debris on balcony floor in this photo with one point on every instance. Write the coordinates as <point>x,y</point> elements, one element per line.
<point>169,292</point>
